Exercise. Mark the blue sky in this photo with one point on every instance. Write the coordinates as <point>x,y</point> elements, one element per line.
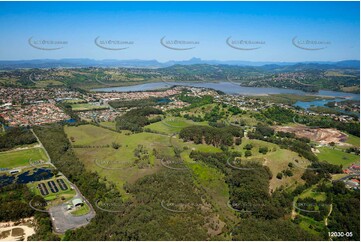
<point>275,24</point>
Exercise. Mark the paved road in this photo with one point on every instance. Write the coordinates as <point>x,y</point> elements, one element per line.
<point>41,145</point>
<point>63,220</point>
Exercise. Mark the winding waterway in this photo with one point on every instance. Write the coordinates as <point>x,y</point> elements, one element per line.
<point>226,87</point>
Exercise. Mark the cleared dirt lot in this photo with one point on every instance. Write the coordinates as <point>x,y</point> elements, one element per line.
<point>11,231</point>
<point>320,135</point>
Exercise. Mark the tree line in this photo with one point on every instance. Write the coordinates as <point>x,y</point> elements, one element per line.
<point>16,136</point>
<point>136,119</point>
<point>210,135</point>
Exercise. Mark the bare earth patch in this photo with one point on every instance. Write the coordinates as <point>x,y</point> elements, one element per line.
<point>20,230</point>
<point>320,135</point>
<point>17,232</point>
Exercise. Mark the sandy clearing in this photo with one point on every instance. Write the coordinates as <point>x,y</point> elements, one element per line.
<point>27,231</point>
<point>321,135</point>
<point>26,224</point>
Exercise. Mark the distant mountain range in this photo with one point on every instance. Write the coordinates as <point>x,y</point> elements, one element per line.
<point>68,63</point>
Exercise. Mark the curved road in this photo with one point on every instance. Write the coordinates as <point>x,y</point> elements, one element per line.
<point>62,219</point>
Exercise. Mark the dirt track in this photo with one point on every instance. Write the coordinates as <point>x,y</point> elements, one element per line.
<point>320,135</point>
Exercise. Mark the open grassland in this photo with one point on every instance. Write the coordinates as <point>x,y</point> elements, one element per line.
<point>337,73</point>
<point>312,193</point>
<point>116,165</point>
<point>189,146</point>
<point>307,223</point>
<point>338,176</point>
<point>171,125</point>
<point>278,161</point>
<point>353,89</point>
<point>213,181</point>
<point>288,98</point>
<point>248,119</point>
<point>17,158</point>
<point>337,157</point>
<point>46,83</point>
<point>86,106</point>
<point>74,101</point>
<point>310,225</point>
<point>93,146</point>
<point>256,144</point>
<point>353,140</point>
<point>200,110</point>
<point>110,125</point>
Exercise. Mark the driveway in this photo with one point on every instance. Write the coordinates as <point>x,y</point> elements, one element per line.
<point>63,220</point>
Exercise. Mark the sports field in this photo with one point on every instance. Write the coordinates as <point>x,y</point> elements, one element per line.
<point>86,106</point>
<point>17,158</point>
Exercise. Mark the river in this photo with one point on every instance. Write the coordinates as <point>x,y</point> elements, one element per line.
<point>232,88</point>
<point>226,87</point>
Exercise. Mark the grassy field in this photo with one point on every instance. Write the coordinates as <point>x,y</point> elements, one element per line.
<point>117,165</point>
<point>17,158</point>
<point>310,225</point>
<point>86,106</point>
<point>46,83</point>
<point>256,145</point>
<point>200,110</point>
<point>120,165</point>
<point>73,101</point>
<point>278,161</point>
<point>191,146</point>
<point>353,140</point>
<point>307,223</point>
<point>214,184</point>
<point>247,118</point>
<point>110,125</point>
<point>171,125</point>
<point>289,98</point>
<point>81,210</point>
<point>337,157</point>
<point>310,192</point>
